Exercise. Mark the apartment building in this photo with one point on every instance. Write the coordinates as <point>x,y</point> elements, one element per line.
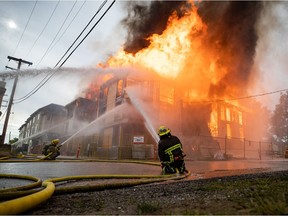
<point>53,122</point>
<point>131,108</point>
<point>43,125</point>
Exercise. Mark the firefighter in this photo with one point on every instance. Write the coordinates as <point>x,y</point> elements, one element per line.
<point>52,150</point>
<point>170,152</point>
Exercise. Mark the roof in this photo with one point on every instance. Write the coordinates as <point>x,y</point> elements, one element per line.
<point>49,109</point>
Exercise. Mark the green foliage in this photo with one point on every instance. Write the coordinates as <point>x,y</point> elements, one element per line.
<point>13,140</point>
<point>266,196</point>
<point>279,120</point>
<point>271,205</point>
<point>248,196</point>
<point>147,208</point>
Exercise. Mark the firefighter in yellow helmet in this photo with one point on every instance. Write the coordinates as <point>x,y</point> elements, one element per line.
<point>170,152</point>
<point>52,150</point>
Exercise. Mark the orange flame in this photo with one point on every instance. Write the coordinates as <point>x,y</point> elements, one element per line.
<point>168,52</point>
<point>179,53</point>
<point>93,89</point>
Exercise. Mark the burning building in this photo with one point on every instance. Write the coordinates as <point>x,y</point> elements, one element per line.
<point>188,65</point>
<point>131,108</point>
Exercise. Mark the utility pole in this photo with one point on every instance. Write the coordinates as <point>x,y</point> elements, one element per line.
<point>10,103</point>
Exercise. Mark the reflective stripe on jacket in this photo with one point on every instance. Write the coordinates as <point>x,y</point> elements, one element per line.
<point>170,150</point>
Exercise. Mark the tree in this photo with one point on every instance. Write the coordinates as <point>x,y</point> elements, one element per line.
<point>279,121</point>
<point>13,140</point>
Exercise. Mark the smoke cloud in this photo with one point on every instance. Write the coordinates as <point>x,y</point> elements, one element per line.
<point>144,20</point>
<point>231,36</point>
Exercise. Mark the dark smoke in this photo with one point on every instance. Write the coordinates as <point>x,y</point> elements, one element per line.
<point>232,34</point>
<point>144,20</point>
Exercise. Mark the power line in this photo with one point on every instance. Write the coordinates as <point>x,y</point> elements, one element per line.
<point>57,33</point>
<point>69,24</point>
<point>25,28</point>
<point>19,100</point>
<point>249,96</point>
<point>88,33</point>
<point>99,9</point>
<point>54,44</point>
<point>49,76</point>
<point>3,114</point>
<point>45,26</point>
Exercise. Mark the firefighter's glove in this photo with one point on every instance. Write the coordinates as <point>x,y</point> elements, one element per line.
<point>164,163</point>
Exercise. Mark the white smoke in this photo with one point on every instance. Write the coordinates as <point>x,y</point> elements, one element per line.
<point>271,52</point>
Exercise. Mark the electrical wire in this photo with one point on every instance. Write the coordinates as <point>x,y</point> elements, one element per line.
<point>3,114</point>
<point>25,28</point>
<point>55,42</point>
<point>99,9</point>
<point>101,6</point>
<point>56,34</point>
<point>88,33</point>
<point>246,97</point>
<point>69,24</point>
<point>18,100</point>
<point>50,75</point>
<point>45,26</point>
<point>47,76</point>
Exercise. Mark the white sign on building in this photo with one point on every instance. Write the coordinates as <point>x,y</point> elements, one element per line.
<point>138,139</point>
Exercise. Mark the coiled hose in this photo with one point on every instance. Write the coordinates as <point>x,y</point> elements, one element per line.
<point>29,196</point>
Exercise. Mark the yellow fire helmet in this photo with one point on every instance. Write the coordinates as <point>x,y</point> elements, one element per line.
<point>55,141</point>
<point>163,131</point>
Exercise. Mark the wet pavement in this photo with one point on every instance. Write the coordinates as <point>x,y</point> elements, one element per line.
<point>207,166</point>
<point>198,169</point>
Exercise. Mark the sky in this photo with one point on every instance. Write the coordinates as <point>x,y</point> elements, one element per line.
<point>41,32</point>
<point>43,39</point>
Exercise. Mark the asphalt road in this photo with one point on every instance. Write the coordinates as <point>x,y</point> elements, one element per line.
<point>46,170</point>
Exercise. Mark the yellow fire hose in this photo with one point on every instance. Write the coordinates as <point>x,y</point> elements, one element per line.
<point>35,197</point>
<point>20,205</point>
<point>25,187</point>
<point>4,159</point>
<point>143,179</point>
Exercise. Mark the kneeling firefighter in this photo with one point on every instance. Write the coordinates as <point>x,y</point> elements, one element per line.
<point>170,152</point>
<point>52,150</point>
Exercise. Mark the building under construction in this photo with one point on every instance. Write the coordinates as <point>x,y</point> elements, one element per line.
<point>122,114</point>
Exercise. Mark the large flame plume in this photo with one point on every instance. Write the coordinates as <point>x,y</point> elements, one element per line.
<point>207,46</point>
<point>206,49</point>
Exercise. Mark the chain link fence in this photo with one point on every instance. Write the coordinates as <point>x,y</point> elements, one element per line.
<point>205,147</point>
<point>195,148</point>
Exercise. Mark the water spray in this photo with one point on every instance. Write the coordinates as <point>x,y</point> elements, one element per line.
<point>42,132</point>
<point>116,109</point>
<point>140,109</point>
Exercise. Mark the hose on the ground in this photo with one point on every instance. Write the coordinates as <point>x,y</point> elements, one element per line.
<point>37,182</point>
<point>32,158</point>
<point>24,158</point>
<point>22,204</point>
<point>32,198</point>
<point>141,179</point>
